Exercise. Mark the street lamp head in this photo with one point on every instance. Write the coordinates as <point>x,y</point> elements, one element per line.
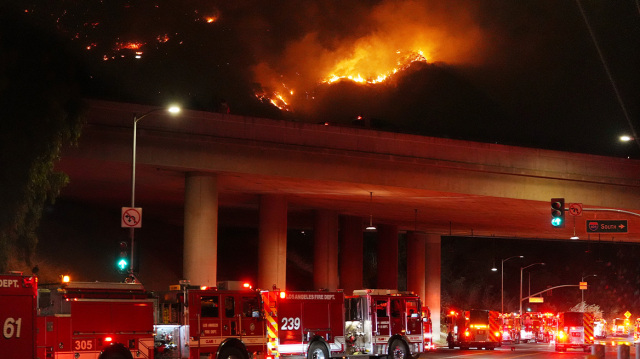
<point>512,257</point>
<point>626,138</point>
<point>174,109</point>
<point>494,269</point>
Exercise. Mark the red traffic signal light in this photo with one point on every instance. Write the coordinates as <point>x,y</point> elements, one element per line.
<point>557,212</point>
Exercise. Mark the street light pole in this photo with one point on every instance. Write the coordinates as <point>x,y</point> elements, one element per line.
<point>502,282</point>
<point>521,270</point>
<point>172,110</point>
<point>582,290</point>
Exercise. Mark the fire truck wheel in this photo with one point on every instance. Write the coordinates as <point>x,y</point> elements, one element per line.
<point>317,350</point>
<point>398,350</point>
<point>231,353</point>
<point>115,351</point>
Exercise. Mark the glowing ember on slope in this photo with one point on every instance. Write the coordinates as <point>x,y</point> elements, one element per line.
<point>129,45</point>
<point>162,38</point>
<point>275,98</point>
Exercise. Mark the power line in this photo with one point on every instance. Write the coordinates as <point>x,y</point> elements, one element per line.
<point>606,69</point>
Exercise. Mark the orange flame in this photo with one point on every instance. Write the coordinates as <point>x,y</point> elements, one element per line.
<point>131,45</point>
<point>346,69</point>
<point>162,38</point>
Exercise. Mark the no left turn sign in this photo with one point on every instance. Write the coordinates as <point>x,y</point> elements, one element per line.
<point>131,217</point>
<point>575,209</point>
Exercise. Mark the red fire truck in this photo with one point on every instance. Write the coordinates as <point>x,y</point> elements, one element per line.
<point>18,301</point>
<point>621,327</point>
<point>549,327</point>
<point>575,330</point>
<point>510,327</point>
<point>95,320</point>
<point>427,329</point>
<point>232,322</point>
<point>532,328</point>
<point>473,328</point>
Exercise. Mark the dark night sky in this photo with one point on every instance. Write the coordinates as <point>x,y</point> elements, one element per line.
<point>513,72</point>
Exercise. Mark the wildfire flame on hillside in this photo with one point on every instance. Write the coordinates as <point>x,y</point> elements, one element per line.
<point>360,69</point>
<point>345,70</point>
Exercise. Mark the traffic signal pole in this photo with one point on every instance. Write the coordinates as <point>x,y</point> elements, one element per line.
<point>612,210</point>
<point>548,289</point>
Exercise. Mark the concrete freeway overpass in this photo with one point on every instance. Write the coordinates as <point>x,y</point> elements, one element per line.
<point>323,176</point>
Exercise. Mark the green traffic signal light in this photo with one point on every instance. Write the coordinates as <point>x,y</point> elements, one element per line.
<point>557,212</point>
<point>123,257</point>
<point>123,264</point>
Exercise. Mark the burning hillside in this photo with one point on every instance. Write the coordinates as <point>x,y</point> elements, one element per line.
<point>389,39</point>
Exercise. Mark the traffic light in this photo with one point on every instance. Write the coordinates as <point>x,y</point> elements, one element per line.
<point>123,257</point>
<point>557,212</point>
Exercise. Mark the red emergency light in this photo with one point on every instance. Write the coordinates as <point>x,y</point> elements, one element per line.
<point>28,282</point>
<point>282,295</point>
<point>108,339</point>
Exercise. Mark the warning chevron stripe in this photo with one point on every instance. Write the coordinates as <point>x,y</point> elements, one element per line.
<point>588,327</point>
<point>271,315</point>
<point>494,326</point>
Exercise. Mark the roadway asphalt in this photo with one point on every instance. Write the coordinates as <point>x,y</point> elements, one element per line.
<point>530,351</point>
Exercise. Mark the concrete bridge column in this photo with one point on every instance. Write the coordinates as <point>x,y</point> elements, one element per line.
<point>325,261</point>
<point>416,262</point>
<point>272,247</point>
<point>432,285</point>
<point>200,229</point>
<point>388,256</point>
<point>351,254</point>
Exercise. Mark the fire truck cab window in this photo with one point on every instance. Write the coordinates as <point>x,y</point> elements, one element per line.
<point>354,311</point>
<point>381,308</point>
<point>209,307</point>
<point>479,317</point>
<point>574,319</point>
<point>396,308</point>
<point>412,308</point>
<point>229,307</point>
<point>250,307</point>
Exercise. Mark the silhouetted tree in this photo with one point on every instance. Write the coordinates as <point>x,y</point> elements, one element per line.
<point>40,111</point>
